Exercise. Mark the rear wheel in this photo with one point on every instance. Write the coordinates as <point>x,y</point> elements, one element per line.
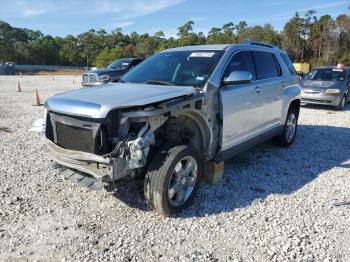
<point>172,179</point>
<point>289,129</point>
<point>342,103</point>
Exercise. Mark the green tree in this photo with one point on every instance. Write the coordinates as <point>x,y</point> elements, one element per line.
<point>241,27</point>
<point>7,49</point>
<point>185,30</point>
<point>291,39</point>
<point>343,27</point>
<point>214,35</point>
<point>130,50</point>
<point>107,56</point>
<point>146,46</point>
<point>159,34</point>
<point>71,52</point>
<point>45,51</point>
<point>320,40</point>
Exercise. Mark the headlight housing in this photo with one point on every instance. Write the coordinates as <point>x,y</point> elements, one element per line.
<point>104,78</point>
<point>332,92</point>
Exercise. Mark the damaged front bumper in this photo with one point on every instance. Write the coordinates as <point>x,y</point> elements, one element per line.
<point>108,168</point>
<point>94,165</point>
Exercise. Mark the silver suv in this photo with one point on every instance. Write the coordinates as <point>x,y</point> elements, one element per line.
<point>171,114</point>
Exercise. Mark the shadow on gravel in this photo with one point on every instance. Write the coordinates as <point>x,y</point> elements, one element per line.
<point>127,190</point>
<point>260,172</point>
<point>266,170</point>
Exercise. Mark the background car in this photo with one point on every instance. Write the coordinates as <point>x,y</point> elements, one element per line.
<point>326,86</point>
<point>7,68</point>
<point>111,73</point>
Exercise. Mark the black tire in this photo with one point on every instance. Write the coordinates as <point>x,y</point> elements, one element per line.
<point>342,103</point>
<point>160,174</point>
<point>284,140</point>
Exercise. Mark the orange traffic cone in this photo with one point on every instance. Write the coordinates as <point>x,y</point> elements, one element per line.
<point>18,88</point>
<point>36,101</point>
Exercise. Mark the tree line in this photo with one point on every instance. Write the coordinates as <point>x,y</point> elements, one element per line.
<point>307,38</point>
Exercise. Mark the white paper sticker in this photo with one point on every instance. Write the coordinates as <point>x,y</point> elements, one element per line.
<point>202,54</point>
<point>199,78</point>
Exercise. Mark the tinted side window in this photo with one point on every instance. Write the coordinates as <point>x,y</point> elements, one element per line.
<point>289,64</point>
<point>241,61</point>
<point>265,64</point>
<point>137,61</point>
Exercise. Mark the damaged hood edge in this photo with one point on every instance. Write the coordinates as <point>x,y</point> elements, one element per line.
<point>96,102</point>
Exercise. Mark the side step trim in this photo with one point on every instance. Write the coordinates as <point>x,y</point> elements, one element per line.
<point>81,179</point>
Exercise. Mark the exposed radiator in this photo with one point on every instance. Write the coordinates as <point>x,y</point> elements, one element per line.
<point>75,138</point>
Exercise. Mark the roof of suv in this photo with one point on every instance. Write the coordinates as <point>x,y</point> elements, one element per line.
<point>221,47</point>
<point>199,47</point>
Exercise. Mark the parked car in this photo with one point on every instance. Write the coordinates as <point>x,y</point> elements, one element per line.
<point>327,85</point>
<point>111,73</point>
<point>7,68</point>
<point>171,114</point>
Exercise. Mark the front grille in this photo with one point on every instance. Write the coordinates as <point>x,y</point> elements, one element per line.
<point>90,77</point>
<point>75,138</point>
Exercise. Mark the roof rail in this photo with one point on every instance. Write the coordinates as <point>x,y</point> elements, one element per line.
<point>248,42</point>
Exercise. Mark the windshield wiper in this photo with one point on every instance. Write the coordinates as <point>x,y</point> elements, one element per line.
<point>158,82</point>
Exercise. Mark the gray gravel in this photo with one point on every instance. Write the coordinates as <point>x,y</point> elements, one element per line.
<point>272,205</point>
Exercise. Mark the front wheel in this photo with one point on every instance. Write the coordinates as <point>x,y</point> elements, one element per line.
<point>172,179</point>
<point>289,129</point>
<point>342,103</point>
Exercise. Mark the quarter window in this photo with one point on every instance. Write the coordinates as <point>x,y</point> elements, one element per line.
<point>265,64</point>
<point>241,61</point>
<point>289,64</point>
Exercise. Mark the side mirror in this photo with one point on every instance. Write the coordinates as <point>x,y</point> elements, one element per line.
<point>238,77</point>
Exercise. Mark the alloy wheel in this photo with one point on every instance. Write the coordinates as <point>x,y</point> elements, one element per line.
<point>290,127</point>
<point>182,181</point>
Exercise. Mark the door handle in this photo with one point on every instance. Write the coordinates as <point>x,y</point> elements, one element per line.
<point>257,89</point>
<point>283,83</point>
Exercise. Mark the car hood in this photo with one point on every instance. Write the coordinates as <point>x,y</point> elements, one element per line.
<point>106,71</point>
<point>96,102</point>
<point>321,86</point>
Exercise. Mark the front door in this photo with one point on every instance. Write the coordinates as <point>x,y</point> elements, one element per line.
<point>241,103</point>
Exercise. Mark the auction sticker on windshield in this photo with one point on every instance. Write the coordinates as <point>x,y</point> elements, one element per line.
<point>202,54</point>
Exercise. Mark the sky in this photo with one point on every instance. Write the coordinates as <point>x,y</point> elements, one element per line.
<point>60,18</point>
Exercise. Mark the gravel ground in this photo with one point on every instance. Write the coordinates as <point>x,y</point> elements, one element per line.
<point>272,205</point>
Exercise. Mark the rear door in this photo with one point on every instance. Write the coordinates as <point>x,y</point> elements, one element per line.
<point>240,103</point>
<point>270,84</point>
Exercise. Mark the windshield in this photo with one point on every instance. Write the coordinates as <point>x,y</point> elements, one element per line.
<point>186,68</point>
<point>326,74</point>
<point>119,64</point>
